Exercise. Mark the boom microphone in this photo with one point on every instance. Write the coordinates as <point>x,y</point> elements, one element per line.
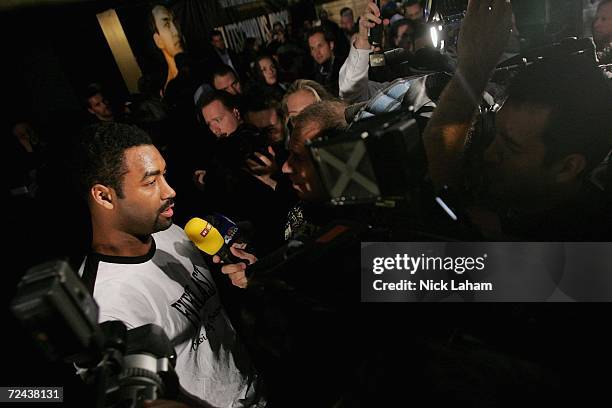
<point>209,240</point>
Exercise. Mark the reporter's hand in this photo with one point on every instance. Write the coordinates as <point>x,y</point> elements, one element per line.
<point>369,19</point>
<point>236,272</point>
<point>484,35</point>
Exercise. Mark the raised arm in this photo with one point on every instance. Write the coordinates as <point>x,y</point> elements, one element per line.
<point>484,34</point>
<point>353,78</point>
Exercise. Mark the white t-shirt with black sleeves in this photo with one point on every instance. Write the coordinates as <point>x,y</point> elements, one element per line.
<point>172,287</point>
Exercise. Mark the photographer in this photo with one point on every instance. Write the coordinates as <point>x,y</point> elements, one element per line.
<point>413,55</point>
<point>244,168</point>
<point>553,129</point>
<point>222,115</point>
<point>224,78</point>
<point>263,110</point>
<point>308,333</point>
<point>353,78</point>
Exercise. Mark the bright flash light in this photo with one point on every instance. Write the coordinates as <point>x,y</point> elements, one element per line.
<point>434,36</point>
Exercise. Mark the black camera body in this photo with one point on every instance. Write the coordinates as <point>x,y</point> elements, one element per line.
<point>377,158</point>
<point>125,367</point>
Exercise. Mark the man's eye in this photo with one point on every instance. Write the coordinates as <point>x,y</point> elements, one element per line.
<point>152,182</point>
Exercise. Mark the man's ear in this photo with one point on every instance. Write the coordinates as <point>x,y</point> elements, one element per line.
<point>236,113</point>
<point>570,168</point>
<point>103,196</point>
<point>331,45</point>
<point>158,42</point>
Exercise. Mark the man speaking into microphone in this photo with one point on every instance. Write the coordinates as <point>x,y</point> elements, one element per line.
<point>143,269</point>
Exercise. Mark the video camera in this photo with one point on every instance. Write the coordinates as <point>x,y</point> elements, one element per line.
<point>378,158</point>
<point>124,367</point>
<point>378,167</point>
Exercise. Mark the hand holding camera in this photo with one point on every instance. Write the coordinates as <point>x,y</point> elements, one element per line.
<point>370,19</point>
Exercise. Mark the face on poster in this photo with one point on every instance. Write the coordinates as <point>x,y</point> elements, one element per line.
<point>167,36</point>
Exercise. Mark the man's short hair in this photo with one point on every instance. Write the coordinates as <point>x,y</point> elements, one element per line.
<point>327,114</point>
<point>228,100</point>
<point>346,12</point>
<point>98,157</point>
<point>328,35</point>
<point>579,97</point>
<point>222,70</point>
<point>91,90</point>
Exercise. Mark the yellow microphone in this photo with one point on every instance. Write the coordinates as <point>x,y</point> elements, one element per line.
<point>209,240</point>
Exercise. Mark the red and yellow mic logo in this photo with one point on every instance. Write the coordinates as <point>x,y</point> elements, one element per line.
<point>206,229</point>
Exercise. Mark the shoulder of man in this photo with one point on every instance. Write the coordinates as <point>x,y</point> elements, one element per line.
<point>175,241</point>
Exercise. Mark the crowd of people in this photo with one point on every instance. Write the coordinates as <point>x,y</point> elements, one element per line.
<point>230,135</point>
